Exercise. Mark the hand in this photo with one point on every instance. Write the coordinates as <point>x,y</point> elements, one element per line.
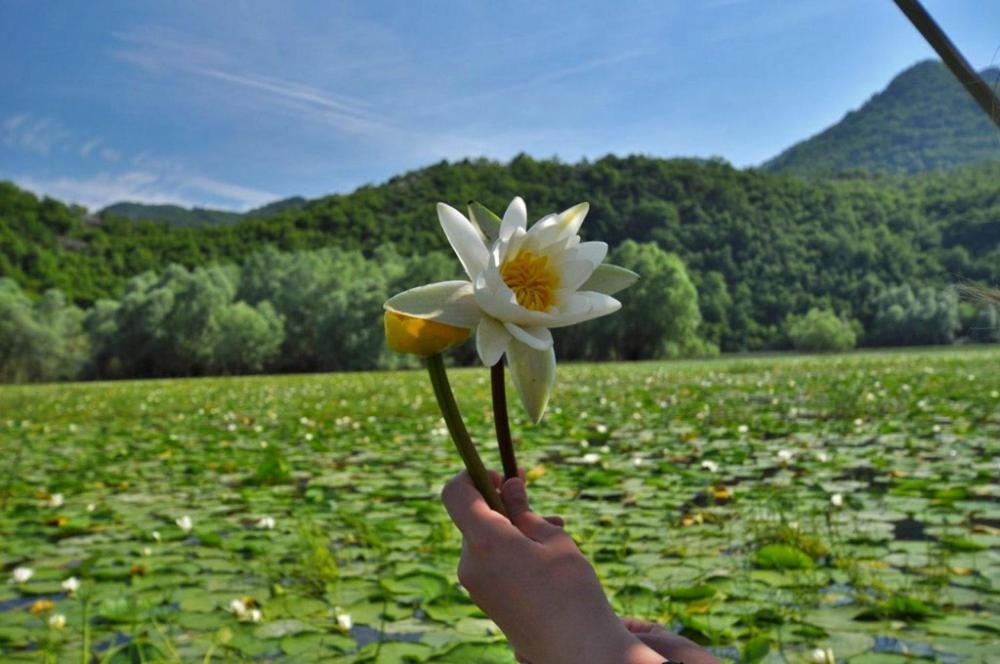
<point>529,576</point>
<point>668,644</point>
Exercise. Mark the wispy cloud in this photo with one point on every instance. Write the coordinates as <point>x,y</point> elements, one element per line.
<point>145,186</point>
<point>39,135</point>
<point>160,50</point>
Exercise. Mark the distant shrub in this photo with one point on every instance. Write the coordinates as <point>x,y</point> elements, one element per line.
<point>821,330</point>
<point>908,317</point>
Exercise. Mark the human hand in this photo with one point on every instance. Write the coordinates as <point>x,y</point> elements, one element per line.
<point>530,578</point>
<point>672,646</point>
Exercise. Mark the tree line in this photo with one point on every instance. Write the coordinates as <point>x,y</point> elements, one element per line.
<point>321,311</point>
<point>757,247</point>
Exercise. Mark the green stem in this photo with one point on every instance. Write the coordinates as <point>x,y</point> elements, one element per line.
<point>501,422</point>
<point>459,434</point>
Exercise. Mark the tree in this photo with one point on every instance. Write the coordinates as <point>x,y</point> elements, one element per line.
<point>906,317</point>
<point>820,330</point>
<point>659,316</point>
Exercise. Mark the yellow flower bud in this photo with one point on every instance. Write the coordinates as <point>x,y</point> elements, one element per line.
<point>420,336</point>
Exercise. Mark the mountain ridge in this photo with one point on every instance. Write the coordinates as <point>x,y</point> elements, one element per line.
<point>922,120</point>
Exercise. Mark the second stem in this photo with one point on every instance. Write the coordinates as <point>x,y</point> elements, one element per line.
<point>501,421</point>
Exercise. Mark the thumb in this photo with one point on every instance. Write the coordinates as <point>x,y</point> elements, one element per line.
<point>515,501</point>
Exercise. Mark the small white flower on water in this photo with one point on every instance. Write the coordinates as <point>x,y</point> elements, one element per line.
<point>57,621</point>
<point>254,615</point>
<point>823,656</point>
<point>156,535</point>
<point>238,608</point>
<point>869,397</point>
<point>936,428</point>
<point>592,458</point>
<point>837,500</point>
<point>601,428</point>
<point>637,461</point>
<point>995,394</point>
<point>785,455</point>
<point>266,523</point>
<point>56,500</point>
<point>147,551</point>
<point>257,428</point>
<point>185,523</point>
<point>91,507</point>
<point>710,466</point>
<point>71,585</point>
<point>308,436</point>
<point>822,457</point>
<point>344,619</point>
<point>743,428</point>
<point>22,574</point>
<point>604,449</point>
<point>858,422</point>
<point>584,443</point>
<point>231,427</point>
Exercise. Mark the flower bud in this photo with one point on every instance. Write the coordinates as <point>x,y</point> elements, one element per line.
<point>419,336</point>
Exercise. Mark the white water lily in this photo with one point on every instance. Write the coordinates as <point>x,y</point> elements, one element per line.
<point>344,620</point>
<point>185,523</point>
<point>522,283</point>
<point>71,585</point>
<point>57,621</point>
<point>22,574</point>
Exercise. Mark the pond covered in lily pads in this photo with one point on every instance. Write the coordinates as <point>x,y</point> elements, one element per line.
<point>765,507</point>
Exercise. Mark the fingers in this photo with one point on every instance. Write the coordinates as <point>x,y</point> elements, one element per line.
<point>469,510</point>
<point>556,521</point>
<point>637,626</point>
<point>515,500</point>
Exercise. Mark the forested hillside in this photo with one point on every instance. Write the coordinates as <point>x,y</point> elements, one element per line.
<point>758,246</point>
<point>181,216</point>
<point>923,120</point>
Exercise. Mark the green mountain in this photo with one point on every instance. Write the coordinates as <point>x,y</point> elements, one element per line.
<point>924,120</point>
<point>181,216</point>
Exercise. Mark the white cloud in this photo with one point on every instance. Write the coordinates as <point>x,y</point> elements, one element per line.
<point>32,134</point>
<point>89,146</point>
<point>163,51</point>
<point>145,186</point>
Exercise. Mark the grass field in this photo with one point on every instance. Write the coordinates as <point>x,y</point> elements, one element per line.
<point>765,506</point>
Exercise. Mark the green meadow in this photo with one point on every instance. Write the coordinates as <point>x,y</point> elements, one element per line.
<point>763,506</point>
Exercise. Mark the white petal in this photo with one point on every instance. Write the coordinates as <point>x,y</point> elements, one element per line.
<point>562,228</point>
<point>449,302</point>
<point>585,305</point>
<point>572,219</point>
<point>492,339</point>
<point>465,240</point>
<point>515,217</point>
<point>594,252</point>
<point>538,338</point>
<point>534,374</point>
<point>573,273</point>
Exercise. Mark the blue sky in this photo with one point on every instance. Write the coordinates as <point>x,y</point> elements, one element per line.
<point>233,104</point>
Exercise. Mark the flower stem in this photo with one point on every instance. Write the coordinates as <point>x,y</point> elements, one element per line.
<point>501,421</point>
<point>459,434</point>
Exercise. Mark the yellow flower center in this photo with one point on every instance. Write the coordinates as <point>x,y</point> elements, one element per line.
<point>532,279</point>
